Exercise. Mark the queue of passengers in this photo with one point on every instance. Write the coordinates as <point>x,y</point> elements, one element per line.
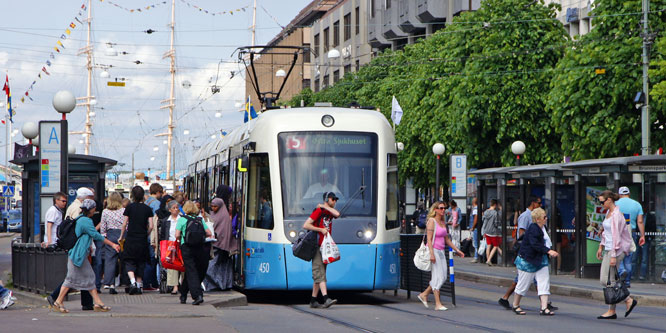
<point>117,243</point>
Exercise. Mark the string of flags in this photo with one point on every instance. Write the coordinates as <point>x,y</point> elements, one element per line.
<point>132,10</point>
<point>59,46</point>
<point>203,10</point>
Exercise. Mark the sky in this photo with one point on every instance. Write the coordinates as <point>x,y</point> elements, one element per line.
<point>128,118</point>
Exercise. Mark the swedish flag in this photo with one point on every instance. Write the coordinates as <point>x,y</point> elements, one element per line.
<point>249,111</point>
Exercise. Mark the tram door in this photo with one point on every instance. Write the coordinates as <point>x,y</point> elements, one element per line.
<point>238,177</point>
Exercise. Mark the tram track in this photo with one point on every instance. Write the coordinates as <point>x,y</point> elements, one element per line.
<point>446,320</point>
<point>334,320</point>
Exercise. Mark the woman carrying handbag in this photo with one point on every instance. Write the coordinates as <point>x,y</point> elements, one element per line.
<point>438,239</point>
<point>614,246</point>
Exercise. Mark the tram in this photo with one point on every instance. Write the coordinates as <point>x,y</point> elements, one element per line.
<point>279,165</point>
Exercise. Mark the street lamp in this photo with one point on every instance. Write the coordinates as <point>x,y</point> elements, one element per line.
<point>518,148</point>
<point>30,131</point>
<point>64,102</point>
<point>438,149</point>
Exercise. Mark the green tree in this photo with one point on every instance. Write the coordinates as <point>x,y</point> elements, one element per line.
<point>594,113</point>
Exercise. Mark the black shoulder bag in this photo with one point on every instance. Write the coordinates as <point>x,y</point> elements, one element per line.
<point>615,293</point>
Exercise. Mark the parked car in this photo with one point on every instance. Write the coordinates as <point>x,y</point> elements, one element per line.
<point>14,222</point>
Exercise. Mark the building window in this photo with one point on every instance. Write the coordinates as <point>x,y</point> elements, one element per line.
<point>336,33</point>
<point>347,26</point>
<point>316,45</point>
<point>306,83</point>
<point>336,75</point>
<point>324,84</point>
<point>358,20</point>
<point>388,4</point>
<point>357,65</point>
<point>347,69</point>
<point>372,8</point>
<point>326,40</point>
<point>316,87</point>
<point>306,53</point>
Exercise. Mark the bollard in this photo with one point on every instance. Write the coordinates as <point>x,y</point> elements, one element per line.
<point>452,277</point>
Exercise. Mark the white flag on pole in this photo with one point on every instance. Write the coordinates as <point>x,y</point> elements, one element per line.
<point>396,111</point>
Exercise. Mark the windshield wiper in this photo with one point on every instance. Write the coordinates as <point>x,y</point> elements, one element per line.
<point>361,190</point>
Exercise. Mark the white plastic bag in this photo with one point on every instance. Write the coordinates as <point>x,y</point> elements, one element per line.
<point>329,251</point>
<point>482,247</point>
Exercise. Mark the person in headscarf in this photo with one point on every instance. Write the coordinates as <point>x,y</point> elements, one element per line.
<point>219,275</point>
<point>223,192</point>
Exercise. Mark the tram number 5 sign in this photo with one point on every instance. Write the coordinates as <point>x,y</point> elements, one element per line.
<point>296,142</point>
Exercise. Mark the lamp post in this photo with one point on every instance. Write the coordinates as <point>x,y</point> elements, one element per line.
<point>64,102</point>
<point>438,149</point>
<point>518,148</point>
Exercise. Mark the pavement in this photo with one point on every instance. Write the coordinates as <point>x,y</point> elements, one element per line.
<point>647,293</point>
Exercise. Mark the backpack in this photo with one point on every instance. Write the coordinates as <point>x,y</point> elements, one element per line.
<point>423,217</point>
<point>195,234</point>
<point>67,234</point>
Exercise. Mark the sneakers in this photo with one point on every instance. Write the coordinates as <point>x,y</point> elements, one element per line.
<point>329,301</point>
<point>6,301</point>
<point>504,303</point>
<point>475,260</point>
<point>134,290</point>
<point>315,305</point>
<point>112,291</point>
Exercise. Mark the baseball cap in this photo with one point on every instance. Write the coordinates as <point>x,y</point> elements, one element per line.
<point>83,192</point>
<point>330,195</point>
<point>624,190</point>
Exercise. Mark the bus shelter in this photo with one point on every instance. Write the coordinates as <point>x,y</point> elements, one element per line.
<point>645,176</point>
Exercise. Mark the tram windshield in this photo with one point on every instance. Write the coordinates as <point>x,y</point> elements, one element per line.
<point>313,163</point>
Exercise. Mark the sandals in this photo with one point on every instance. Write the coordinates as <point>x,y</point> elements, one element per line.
<point>517,310</point>
<point>59,307</point>
<point>546,312</point>
<point>101,308</point>
<point>423,300</point>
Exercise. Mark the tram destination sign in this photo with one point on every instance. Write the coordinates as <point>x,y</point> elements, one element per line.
<point>297,143</point>
<point>50,156</point>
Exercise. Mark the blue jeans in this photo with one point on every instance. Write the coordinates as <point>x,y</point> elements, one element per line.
<point>643,252</point>
<point>475,243</point>
<point>150,272</point>
<point>3,292</point>
<point>98,263</point>
<point>625,266</point>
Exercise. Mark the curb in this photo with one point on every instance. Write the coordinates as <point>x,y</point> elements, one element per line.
<point>28,298</point>
<point>562,290</point>
<point>237,299</point>
<point>7,234</point>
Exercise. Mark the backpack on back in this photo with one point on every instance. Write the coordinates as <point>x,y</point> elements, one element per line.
<point>423,217</point>
<point>195,234</point>
<point>67,234</point>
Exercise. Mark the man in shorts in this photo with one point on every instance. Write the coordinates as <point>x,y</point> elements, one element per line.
<point>321,220</point>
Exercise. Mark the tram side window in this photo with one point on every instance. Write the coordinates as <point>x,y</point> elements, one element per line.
<point>392,192</point>
<point>260,203</point>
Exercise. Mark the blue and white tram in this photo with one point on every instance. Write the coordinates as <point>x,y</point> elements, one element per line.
<point>279,167</point>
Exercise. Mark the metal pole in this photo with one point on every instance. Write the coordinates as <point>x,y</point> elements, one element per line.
<point>89,51</point>
<point>437,181</point>
<point>645,111</point>
<point>254,22</point>
<point>173,84</point>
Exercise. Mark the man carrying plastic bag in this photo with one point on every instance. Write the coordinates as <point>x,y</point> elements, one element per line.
<point>321,221</point>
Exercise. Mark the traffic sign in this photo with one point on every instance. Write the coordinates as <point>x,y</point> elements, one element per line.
<point>7,191</point>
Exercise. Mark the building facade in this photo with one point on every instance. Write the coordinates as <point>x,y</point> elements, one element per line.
<point>575,15</point>
<point>359,29</point>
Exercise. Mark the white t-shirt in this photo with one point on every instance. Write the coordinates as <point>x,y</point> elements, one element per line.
<point>608,235</point>
<point>546,238</point>
<point>54,216</point>
<point>172,228</point>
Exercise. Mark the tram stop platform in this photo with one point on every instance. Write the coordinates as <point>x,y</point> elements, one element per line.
<point>150,304</point>
<point>647,293</point>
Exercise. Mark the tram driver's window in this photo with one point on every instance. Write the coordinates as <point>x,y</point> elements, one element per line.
<point>260,202</point>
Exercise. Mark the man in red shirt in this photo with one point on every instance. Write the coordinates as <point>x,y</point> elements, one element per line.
<point>321,220</point>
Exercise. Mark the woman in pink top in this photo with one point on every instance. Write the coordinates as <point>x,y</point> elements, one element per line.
<point>614,246</point>
<point>437,238</point>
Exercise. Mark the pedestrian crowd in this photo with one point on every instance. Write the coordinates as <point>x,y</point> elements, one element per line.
<point>622,243</point>
<point>116,243</point>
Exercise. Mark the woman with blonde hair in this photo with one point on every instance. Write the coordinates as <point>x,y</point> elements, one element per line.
<point>437,238</point>
<point>110,226</point>
<point>194,253</point>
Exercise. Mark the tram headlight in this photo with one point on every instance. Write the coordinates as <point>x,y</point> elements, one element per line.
<point>292,234</point>
<point>327,120</point>
<point>368,234</point>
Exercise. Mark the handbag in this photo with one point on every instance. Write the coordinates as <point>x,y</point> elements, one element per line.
<point>306,246</point>
<point>422,255</point>
<point>615,293</point>
<point>170,256</point>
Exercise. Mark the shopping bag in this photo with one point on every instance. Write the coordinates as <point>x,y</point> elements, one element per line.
<point>329,251</point>
<point>482,247</point>
<point>170,256</point>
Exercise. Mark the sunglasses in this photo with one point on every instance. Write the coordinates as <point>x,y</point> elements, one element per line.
<point>601,202</point>
<point>441,207</point>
